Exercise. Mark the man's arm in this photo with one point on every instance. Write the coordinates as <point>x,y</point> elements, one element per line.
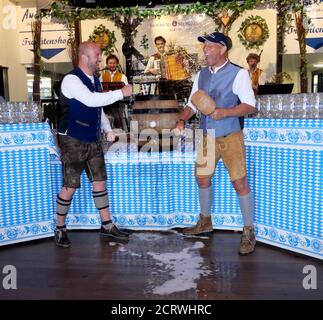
<point>240,110</point>
<point>73,87</point>
<point>243,89</point>
<point>185,115</point>
<point>106,127</point>
<point>105,123</point>
<point>124,79</point>
<point>150,65</point>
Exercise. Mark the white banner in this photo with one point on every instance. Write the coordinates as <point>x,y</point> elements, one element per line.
<point>314,38</point>
<point>54,38</point>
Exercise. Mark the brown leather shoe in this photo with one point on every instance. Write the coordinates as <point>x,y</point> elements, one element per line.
<point>248,241</point>
<point>202,226</point>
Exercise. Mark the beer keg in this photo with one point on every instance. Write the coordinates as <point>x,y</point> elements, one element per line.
<point>156,117</point>
<point>155,112</point>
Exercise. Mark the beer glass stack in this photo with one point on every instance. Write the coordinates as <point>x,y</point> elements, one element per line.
<point>290,106</point>
<point>20,112</point>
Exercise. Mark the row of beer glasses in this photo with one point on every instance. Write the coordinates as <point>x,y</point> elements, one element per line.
<point>299,106</point>
<point>20,112</point>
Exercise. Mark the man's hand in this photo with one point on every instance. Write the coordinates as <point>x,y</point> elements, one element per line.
<point>153,71</point>
<point>127,90</point>
<point>180,127</point>
<point>218,114</point>
<point>111,136</point>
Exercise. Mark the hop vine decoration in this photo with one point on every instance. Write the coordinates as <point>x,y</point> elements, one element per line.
<point>144,42</point>
<point>64,10</point>
<point>105,38</point>
<point>253,32</point>
<point>145,45</point>
<point>281,77</point>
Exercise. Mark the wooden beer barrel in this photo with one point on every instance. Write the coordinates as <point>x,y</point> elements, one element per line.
<point>156,116</point>
<point>155,112</point>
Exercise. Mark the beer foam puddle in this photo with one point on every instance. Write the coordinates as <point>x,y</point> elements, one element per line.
<point>174,265</point>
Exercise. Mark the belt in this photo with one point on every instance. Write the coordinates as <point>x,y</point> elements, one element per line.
<point>228,134</point>
<point>222,137</point>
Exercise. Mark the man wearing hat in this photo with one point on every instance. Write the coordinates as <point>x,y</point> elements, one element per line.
<point>230,89</point>
<point>255,74</point>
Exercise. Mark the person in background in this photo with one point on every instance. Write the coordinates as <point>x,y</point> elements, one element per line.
<point>256,75</point>
<point>156,63</point>
<point>229,87</point>
<point>111,72</point>
<point>79,127</point>
<point>113,79</point>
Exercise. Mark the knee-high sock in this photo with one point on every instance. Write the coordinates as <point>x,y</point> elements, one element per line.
<point>247,209</point>
<point>205,196</point>
<point>101,200</point>
<point>62,206</point>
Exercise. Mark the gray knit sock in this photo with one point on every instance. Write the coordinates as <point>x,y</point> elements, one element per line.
<point>205,196</point>
<point>247,209</point>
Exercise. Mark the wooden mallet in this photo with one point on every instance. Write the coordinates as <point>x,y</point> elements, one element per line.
<point>203,102</point>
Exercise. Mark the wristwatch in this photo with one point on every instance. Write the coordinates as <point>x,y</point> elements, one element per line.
<point>181,120</point>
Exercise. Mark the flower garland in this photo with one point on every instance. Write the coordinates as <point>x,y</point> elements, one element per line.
<point>105,38</point>
<point>253,32</point>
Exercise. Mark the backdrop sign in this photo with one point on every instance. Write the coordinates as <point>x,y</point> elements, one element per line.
<point>181,30</point>
<point>54,38</point>
<point>314,38</point>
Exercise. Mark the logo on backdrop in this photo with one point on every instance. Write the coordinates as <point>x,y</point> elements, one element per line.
<point>54,37</point>
<point>314,39</point>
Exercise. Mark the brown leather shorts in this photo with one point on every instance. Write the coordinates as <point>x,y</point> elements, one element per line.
<point>77,156</point>
<point>230,149</point>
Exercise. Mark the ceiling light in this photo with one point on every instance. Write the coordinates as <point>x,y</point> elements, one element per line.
<point>150,4</point>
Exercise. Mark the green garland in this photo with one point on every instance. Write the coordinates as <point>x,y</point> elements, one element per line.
<point>105,38</point>
<point>253,21</point>
<point>63,11</point>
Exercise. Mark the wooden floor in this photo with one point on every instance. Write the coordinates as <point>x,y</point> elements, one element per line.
<point>155,265</point>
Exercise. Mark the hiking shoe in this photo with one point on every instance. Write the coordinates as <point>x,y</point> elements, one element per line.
<point>61,238</point>
<point>112,231</point>
<point>202,226</point>
<point>248,241</point>
<point>124,232</point>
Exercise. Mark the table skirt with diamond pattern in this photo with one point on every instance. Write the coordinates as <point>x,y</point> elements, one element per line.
<point>158,191</point>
